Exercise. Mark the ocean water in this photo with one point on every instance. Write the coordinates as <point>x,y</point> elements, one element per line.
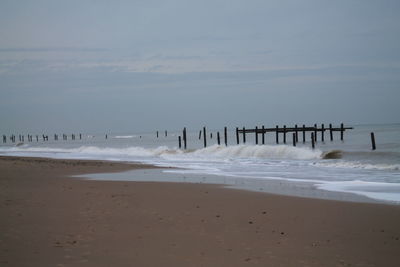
<point>348,166</point>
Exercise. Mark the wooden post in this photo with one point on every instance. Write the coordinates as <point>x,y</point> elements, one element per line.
<point>237,135</point>
<point>263,135</point>
<point>80,136</point>
<point>166,133</point>
<point>322,133</point>
<point>297,133</point>
<point>200,135</point>
<point>304,133</point>
<point>218,139</point>
<point>277,134</point>
<point>226,136</point>
<point>244,135</point>
<point>294,139</point>
<point>184,138</point>
<point>330,131</point>
<point>312,140</point>
<point>341,131</point>
<point>210,135</point>
<point>284,134</point>
<point>256,135</point>
<point>204,136</point>
<point>373,141</point>
<point>315,132</point>
<point>180,142</point>
<point>157,134</point>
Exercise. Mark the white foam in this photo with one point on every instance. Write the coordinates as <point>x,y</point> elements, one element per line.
<point>212,152</point>
<point>258,151</point>
<point>358,165</point>
<point>375,190</point>
<point>124,136</point>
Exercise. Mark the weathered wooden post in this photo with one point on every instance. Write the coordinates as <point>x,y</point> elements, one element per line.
<point>294,139</point>
<point>330,131</point>
<point>263,135</point>
<point>373,141</point>
<point>256,135</point>
<point>315,132</point>
<point>296,132</point>
<point>341,131</point>
<point>218,139</point>
<point>157,134</point>
<point>180,142</point>
<point>244,135</point>
<point>200,135</point>
<point>37,138</point>
<point>80,136</point>
<point>237,135</point>
<point>284,134</point>
<point>226,136</point>
<point>277,134</point>
<point>184,138</point>
<point>322,133</point>
<point>166,133</point>
<point>304,133</point>
<point>204,136</point>
<point>312,140</point>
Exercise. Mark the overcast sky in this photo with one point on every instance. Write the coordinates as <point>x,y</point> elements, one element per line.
<point>130,66</point>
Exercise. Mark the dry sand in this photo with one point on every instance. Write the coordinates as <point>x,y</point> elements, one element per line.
<point>49,219</point>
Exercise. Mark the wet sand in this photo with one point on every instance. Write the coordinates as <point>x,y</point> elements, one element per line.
<point>50,219</point>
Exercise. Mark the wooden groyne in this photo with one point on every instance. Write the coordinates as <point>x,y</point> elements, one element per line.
<point>280,134</point>
<point>259,134</point>
<point>295,130</point>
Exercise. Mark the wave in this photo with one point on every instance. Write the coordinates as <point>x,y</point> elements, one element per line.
<point>334,154</point>
<point>258,151</point>
<point>215,151</point>
<point>359,165</point>
<point>124,136</point>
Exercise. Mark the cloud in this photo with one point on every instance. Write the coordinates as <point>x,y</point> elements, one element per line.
<point>50,49</point>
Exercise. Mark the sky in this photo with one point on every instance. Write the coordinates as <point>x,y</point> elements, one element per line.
<point>136,66</point>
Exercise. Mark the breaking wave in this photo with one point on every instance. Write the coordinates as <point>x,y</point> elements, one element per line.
<point>215,151</point>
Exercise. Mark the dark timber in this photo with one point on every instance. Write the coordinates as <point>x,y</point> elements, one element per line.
<point>373,141</point>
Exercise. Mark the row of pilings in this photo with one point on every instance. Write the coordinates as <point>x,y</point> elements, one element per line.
<point>314,132</point>
<point>44,137</point>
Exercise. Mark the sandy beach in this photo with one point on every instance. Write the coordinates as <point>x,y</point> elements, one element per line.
<point>50,219</point>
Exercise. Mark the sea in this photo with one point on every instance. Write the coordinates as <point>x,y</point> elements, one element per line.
<point>347,167</point>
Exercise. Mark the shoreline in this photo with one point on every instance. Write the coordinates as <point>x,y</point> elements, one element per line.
<point>49,219</point>
<point>299,189</point>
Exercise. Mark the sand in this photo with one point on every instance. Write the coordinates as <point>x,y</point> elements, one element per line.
<point>50,219</point>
